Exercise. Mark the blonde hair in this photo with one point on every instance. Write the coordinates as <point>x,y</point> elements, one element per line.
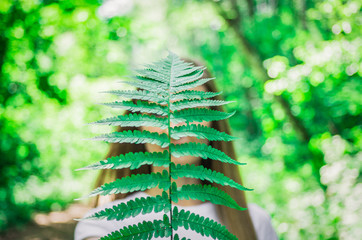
<point>237,222</point>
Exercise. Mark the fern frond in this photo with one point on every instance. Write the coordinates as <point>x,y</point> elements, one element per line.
<point>133,208</point>
<point>177,237</point>
<point>190,85</point>
<point>140,106</point>
<point>179,105</point>
<point>199,115</point>
<point>165,90</point>
<point>149,82</point>
<point>138,94</point>
<point>190,94</point>
<point>187,71</point>
<point>135,182</point>
<point>134,120</point>
<point>201,150</point>
<point>144,230</point>
<point>163,65</point>
<point>132,160</point>
<point>201,132</point>
<point>204,193</point>
<point>187,78</point>
<point>200,172</point>
<point>176,63</point>
<point>154,75</point>
<point>200,224</point>
<point>135,136</point>
<point>144,84</point>
<point>158,67</point>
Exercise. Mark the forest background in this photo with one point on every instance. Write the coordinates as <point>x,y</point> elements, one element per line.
<point>293,68</point>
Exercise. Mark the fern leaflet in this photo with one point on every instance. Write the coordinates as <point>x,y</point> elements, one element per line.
<point>133,208</point>
<point>200,172</point>
<point>199,224</point>
<point>132,160</point>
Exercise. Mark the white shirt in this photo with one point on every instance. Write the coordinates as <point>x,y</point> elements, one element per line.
<point>99,228</point>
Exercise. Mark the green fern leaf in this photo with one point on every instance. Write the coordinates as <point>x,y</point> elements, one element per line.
<point>165,90</point>
<point>132,160</point>
<point>199,115</point>
<point>133,208</point>
<point>135,136</point>
<point>134,120</point>
<point>187,71</point>
<point>154,75</point>
<point>200,172</point>
<point>138,94</point>
<point>190,85</point>
<point>177,237</point>
<point>190,94</point>
<point>187,78</point>
<point>140,106</point>
<point>145,230</point>
<point>145,85</point>
<point>179,105</point>
<point>201,132</point>
<point>158,67</point>
<point>135,182</point>
<point>163,66</point>
<point>200,224</point>
<point>204,193</point>
<point>201,150</point>
<point>175,65</point>
<point>148,82</point>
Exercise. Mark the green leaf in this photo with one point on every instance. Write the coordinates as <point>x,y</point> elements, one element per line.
<point>199,115</point>
<point>200,224</point>
<point>145,230</point>
<point>133,208</point>
<point>177,237</point>
<point>147,83</point>
<point>139,94</point>
<point>164,66</point>
<point>174,65</point>
<point>200,172</point>
<point>132,160</point>
<point>135,182</point>
<point>201,132</point>
<point>188,71</point>
<point>201,150</point>
<point>191,94</point>
<point>134,120</point>
<point>135,136</point>
<point>204,193</point>
<point>196,103</point>
<point>154,75</point>
<point>190,85</point>
<point>167,85</point>
<point>185,79</point>
<point>139,106</point>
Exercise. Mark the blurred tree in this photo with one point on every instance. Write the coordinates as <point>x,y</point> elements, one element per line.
<point>293,68</point>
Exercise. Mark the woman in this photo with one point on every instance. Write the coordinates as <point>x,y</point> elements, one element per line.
<point>250,224</point>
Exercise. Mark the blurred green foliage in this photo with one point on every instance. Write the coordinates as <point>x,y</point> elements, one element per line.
<point>293,68</point>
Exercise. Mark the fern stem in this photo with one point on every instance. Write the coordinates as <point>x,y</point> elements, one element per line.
<point>169,148</point>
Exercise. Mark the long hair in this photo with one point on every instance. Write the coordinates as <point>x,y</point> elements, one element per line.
<point>237,222</point>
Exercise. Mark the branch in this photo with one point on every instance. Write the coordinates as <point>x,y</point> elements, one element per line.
<point>253,59</point>
<point>251,9</point>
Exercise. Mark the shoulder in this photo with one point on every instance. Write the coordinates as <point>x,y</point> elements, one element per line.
<point>97,228</point>
<point>262,222</point>
<point>115,202</point>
